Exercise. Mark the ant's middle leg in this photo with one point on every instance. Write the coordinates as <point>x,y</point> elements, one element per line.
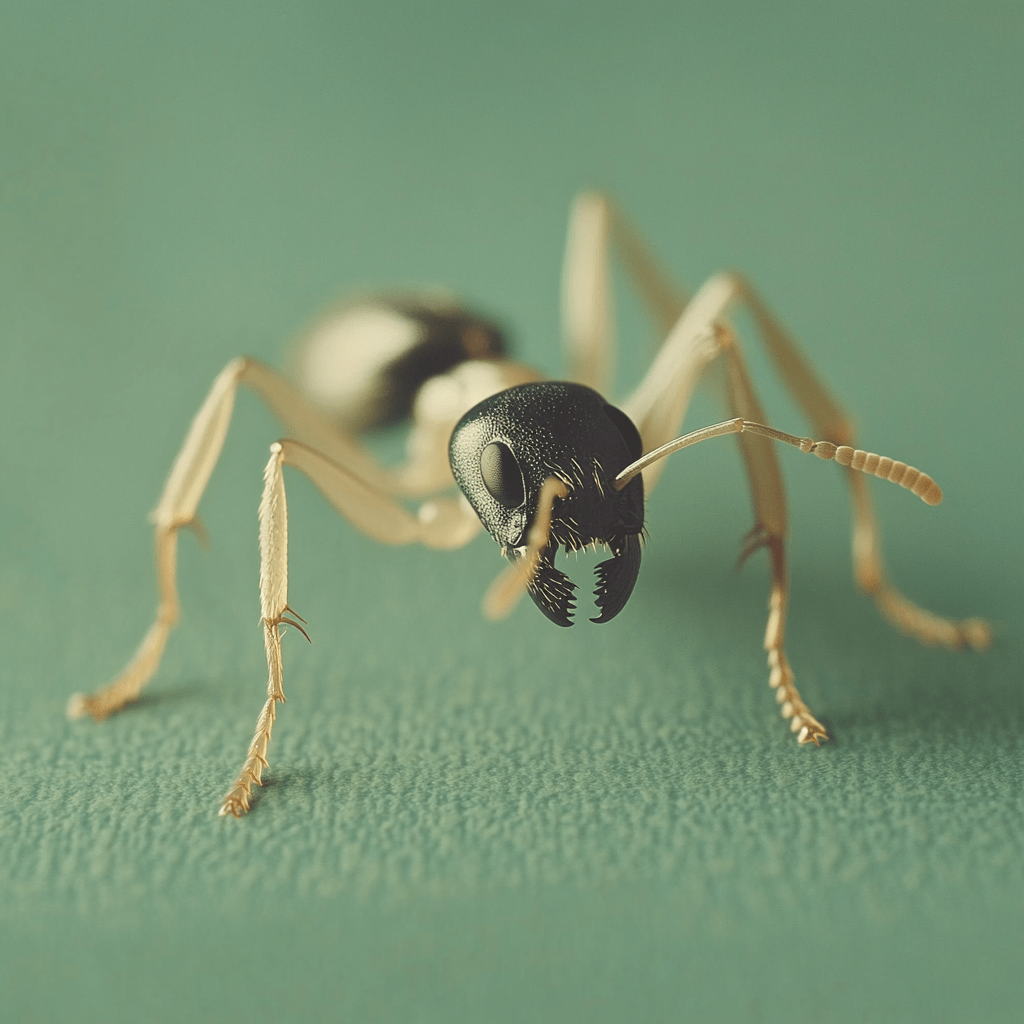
<point>769,499</point>
<point>658,406</point>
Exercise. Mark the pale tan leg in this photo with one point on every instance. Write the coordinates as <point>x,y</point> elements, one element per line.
<point>768,494</point>
<point>665,299</point>
<point>447,525</point>
<point>657,410</point>
<point>188,479</point>
<point>780,678</point>
<point>273,606</point>
<point>175,509</point>
<point>925,626</point>
<point>595,226</point>
<point>587,310</point>
<point>127,686</point>
<point>697,340</point>
<point>856,460</point>
<point>831,421</point>
<point>658,404</point>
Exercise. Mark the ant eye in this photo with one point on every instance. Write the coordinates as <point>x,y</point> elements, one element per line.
<point>502,476</point>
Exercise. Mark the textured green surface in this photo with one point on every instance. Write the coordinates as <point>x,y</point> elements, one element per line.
<point>506,823</point>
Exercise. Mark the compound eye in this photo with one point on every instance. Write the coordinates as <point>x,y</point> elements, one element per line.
<point>502,476</point>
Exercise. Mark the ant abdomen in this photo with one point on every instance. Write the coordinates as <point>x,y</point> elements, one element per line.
<point>365,362</point>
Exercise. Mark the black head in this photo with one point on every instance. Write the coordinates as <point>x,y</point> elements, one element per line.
<point>502,451</point>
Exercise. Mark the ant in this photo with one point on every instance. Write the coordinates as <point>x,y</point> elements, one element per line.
<point>540,464</point>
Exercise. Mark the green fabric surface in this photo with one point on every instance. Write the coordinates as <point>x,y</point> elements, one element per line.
<point>467,821</point>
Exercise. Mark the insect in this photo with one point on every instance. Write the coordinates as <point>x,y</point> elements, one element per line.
<point>541,465</point>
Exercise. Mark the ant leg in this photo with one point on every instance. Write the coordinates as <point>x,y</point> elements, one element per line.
<point>660,409</point>
<point>440,524</point>
<point>273,517</point>
<point>587,312</point>
<point>658,404</point>
<point>595,225</point>
<point>769,498</point>
<point>695,342</point>
<point>184,489</point>
<point>831,421</point>
<point>909,618</point>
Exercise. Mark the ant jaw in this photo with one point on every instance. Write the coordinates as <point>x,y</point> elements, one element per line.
<point>553,592</point>
<point>616,577</point>
<point>550,589</point>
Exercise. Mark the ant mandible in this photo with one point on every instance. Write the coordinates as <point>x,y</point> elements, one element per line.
<point>540,464</point>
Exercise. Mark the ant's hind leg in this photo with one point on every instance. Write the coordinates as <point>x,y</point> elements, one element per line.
<point>175,509</point>
<point>184,489</point>
<point>596,226</point>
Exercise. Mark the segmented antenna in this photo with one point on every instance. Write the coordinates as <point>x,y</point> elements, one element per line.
<point>885,468</point>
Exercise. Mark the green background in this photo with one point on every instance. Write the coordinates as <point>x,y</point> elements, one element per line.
<point>509,822</point>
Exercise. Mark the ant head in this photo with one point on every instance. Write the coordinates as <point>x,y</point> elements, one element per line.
<point>503,450</point>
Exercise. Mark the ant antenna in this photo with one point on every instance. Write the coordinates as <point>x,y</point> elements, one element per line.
<point>865,462</point>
